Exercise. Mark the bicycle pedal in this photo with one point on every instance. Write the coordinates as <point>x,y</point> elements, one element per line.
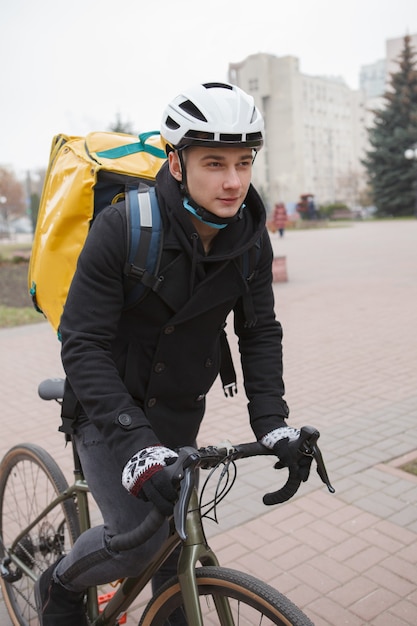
<point>7,574</point>
<point>106,597</point>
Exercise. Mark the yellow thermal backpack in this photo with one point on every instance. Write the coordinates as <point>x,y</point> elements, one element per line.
<point>86,174</point>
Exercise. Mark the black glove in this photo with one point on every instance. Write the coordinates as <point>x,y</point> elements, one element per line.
<point>143,476</point>
<point>284,441</point>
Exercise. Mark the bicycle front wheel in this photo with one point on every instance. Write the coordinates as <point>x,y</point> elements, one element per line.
<point>251,601</point>
<point>29,480</point>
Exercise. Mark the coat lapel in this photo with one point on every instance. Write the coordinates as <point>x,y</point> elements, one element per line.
<point>222,283</point>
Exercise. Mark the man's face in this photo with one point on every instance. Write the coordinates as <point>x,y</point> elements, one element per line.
<point>217,178</point>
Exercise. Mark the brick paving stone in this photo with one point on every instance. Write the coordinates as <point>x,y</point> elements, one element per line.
<point>405,516</point>
<point>390,544</point>
<point>401,567</point>
<point>409,554</point>
<point>253,563</point>
<point>374,603</point>
<point>303,596</point>
<point>333,613</point>
<point>388,619</point>
<point>369,556</point>
<point>347,549</point>
<point>352,591</point>
<point>329,530</point>
<point>406,537</point>
<point>314,577</point>
<point>390,580</point>
<point>286,582</point>
<point>291,559</point>
<point>337,570</point>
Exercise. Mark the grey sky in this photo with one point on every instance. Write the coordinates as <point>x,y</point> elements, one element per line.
<point>70,67</point>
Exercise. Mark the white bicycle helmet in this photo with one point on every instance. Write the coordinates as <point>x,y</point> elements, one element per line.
<point>213,114</point>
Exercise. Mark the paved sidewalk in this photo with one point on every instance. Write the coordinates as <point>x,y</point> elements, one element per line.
<point>349,312</point>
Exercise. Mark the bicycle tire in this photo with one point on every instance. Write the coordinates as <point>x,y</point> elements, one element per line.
<point>252,601</point>
<point>29,480</point>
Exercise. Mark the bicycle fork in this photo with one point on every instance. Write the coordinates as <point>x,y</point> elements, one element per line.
<point>195,548</point>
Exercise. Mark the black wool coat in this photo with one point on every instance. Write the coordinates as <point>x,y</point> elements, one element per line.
<point>142,374</point>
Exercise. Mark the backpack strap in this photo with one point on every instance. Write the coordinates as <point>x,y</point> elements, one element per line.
<point>144,233</point>
<point>227,369</point>
<point>133,148</point>
<point>248,267</point>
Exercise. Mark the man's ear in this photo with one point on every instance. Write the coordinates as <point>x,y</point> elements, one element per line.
<point>175,166</point>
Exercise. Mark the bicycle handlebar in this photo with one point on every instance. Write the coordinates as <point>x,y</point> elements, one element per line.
<point>182,472</point>
<point>306,445</point>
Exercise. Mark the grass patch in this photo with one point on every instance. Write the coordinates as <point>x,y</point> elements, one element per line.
<point>14,251</point>
<point>410,467</point>
<point>17,316</point>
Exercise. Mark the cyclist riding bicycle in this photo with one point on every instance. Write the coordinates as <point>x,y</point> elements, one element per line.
<point>141,374</point>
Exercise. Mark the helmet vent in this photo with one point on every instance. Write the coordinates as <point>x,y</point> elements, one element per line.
<point>198,134</point>
<point>217,86</point>
<point>171,123</point>
<point>192,110</point>
<point>255,137</point>
<point>229,137</point>
<point>254,115</point>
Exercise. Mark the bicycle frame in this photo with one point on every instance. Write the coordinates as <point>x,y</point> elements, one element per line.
<point>186,530</point>
<point>194,549</point>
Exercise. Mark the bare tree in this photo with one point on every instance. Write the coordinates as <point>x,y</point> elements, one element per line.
<point>12,196</point>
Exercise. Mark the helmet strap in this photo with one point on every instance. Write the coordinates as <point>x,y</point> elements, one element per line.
<point>197,213</point>
<point>202,214</point>
<point>209,218</point>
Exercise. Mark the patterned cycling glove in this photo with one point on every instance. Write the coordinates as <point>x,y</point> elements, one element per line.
<point>283,441</point>
<point>142,476</point>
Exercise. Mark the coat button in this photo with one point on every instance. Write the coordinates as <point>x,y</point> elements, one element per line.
<point>168,330</point>
<point>124,419</point>
<point>159,367</point>
<point>151,402</point>
<point>200,397</point>
<point>208,363</point>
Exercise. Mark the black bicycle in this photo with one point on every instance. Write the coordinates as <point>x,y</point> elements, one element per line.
<point>41,516</point>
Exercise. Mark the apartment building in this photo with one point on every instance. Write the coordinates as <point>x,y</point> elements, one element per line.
<point>314,131</point>
<point>372,79</point>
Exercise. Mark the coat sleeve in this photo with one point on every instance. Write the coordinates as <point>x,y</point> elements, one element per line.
<point>88,328</point>
<point>260,349</point>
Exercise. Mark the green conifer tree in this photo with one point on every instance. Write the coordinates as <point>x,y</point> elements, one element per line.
<point>392,177</point>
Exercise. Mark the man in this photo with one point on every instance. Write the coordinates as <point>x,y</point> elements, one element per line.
<point>141,375</point>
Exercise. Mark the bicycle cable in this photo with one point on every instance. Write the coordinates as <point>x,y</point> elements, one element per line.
<point>224,484</point>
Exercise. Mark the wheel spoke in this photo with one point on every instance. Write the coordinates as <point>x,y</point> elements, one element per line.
<point>29,480</point>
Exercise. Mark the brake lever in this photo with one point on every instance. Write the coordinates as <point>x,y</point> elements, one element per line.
<point>321,468</point>
<point>309,447</point>
<point>181,506</point>
<point>182,473</point>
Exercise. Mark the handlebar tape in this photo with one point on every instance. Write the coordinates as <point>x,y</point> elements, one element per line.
<point>140,534</point>
<point>285,493</point>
